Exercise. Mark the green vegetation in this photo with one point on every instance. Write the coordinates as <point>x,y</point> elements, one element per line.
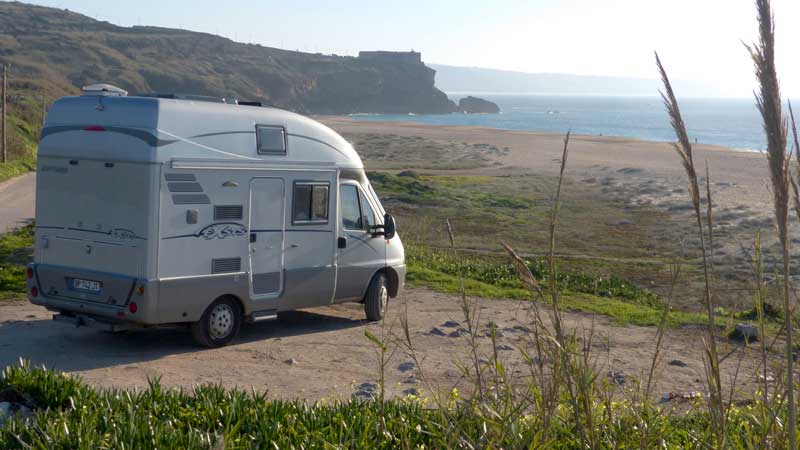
<point>70,415</point>
<point>16,167</point>
<point>390,151</point>
<point>14,254</point>
<point>23,122</point>
<point>501,273</point>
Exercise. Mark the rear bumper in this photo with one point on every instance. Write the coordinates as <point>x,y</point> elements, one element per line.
<point>49,283</point>
<point>80,320</point>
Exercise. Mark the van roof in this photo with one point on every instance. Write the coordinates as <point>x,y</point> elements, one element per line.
<point>149,129</point>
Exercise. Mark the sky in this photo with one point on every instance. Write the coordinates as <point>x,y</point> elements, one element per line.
<point>698,40</point>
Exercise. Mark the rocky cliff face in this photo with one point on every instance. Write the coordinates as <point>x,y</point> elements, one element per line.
<point>57,51</point>
<point>475,105</point>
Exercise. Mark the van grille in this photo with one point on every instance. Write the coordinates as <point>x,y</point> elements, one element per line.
<point>225,265</point>
<point>227,212</point>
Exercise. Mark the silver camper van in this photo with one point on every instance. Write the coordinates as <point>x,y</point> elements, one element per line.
<point>155,211</point>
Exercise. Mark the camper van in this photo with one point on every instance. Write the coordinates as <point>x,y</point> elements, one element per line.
<point>153,211</point>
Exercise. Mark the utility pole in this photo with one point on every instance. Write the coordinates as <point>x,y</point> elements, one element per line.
<point>5,106</point>
<point>44,108</point>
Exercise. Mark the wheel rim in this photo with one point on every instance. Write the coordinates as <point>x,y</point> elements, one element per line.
<point>383,298</point>
<point>220,321</point>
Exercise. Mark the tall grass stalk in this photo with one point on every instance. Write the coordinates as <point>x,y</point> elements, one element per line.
<point>768,100</point>
<point>684,150</point>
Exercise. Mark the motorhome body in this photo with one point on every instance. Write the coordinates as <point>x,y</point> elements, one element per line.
<point>160,211</point>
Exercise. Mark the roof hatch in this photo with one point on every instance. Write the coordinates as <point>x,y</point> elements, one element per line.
<point>105,90</point>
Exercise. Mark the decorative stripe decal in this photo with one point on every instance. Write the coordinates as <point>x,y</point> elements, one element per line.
<point>199,234</point>
<point>221,133</point>
<point>121,234</point>
<point>146,136</point>
<point>220,230</point>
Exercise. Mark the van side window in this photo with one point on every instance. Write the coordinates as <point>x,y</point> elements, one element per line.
<point>310,203</point>
<point>369,214</point>
<point>270,140</point>
<point>351,210</point>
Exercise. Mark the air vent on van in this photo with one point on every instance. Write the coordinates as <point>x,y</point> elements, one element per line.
<point>180,177</point>
<point>190,199</point>
<point>185,187</point>
<point>228,212</point>
<point>225,265</point>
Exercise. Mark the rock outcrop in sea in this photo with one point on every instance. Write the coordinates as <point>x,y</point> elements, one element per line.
<point>475,105</point>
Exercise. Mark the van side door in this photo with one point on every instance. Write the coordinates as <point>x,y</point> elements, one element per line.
<point>267,234</point>
<point>360,252</point>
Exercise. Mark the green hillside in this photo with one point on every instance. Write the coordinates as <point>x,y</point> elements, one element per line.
<point>56,51</point>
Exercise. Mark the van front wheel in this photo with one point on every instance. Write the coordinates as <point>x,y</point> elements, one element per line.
<point>220,323</point>
<point>376,299</point>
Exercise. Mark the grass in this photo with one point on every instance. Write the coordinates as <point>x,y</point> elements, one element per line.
<point>14,254</point>
<point>16,167</point>
<point>71,415</point>
<point>487,277</point>
<point>389,151</point>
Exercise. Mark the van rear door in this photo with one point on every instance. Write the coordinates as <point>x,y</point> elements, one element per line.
<point>93,215</point>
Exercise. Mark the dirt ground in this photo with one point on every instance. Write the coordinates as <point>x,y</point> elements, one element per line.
<point>323,353</point>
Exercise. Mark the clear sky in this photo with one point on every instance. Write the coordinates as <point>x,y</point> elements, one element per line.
<point>697,39</point>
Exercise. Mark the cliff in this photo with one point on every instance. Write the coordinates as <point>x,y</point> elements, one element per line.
<point>56,51</point>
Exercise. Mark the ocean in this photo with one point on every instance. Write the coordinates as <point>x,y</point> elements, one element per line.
<point>733,123</point>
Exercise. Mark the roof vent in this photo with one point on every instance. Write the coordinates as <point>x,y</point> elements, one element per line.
<point>105,90</point>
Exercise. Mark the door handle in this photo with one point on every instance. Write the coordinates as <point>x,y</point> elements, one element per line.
<point>342,242</point>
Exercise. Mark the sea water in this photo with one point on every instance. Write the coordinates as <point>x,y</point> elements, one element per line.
<point>733,123</point>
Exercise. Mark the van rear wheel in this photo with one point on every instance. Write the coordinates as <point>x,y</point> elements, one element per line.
<point>220,323</point>
<point>376,299</point>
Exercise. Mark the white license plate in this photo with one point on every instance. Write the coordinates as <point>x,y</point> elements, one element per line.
<point>86,285</point>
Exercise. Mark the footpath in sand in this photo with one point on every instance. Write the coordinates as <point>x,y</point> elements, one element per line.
<point>322,353</point>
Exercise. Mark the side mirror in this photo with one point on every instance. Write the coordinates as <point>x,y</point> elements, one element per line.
<point>389,226</point>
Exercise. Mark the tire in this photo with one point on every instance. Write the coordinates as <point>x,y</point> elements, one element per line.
<point>220,323</point>
<point>376,299</point>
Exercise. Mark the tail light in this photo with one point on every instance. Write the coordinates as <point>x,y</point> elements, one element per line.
<point>133,307</point>
<point>34,292</point>
<point>29,272</point>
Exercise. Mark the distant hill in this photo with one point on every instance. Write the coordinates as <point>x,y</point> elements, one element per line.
<point>475,80</point>
<point>57,51</point>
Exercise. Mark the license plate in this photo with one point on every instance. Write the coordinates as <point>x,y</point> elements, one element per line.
<point>86,285</point>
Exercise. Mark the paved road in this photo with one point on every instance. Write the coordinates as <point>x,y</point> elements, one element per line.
<point>17,201</point>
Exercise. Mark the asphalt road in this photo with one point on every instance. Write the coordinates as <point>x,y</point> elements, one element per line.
<point>17,201</point>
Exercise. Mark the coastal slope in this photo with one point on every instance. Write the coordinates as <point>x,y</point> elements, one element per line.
<point>55,52</point>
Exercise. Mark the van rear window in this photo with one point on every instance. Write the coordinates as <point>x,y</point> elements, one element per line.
<point>310,204</point>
